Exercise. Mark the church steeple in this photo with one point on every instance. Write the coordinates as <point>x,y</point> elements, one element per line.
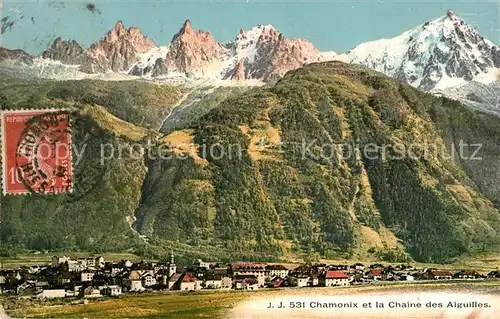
<point>172,257</point>
<point>172,269</point>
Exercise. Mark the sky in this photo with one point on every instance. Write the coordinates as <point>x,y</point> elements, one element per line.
<point>331,25</point>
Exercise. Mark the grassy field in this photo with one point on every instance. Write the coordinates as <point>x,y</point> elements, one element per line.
<point>43,259</point>
<point>218,304</point>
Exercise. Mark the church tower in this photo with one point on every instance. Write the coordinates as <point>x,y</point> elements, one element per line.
<point>172,269</point>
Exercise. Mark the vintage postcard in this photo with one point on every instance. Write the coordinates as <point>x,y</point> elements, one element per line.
<point>250,159</point>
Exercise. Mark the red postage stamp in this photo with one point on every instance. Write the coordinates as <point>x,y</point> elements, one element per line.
<point>36,152</point>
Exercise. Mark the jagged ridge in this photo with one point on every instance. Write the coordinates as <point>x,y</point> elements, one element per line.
<point>261,53</point>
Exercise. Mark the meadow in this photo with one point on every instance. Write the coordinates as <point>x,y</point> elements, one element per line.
<point>219,304</point>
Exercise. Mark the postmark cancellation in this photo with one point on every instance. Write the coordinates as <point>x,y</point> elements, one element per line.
<point>36,152</point>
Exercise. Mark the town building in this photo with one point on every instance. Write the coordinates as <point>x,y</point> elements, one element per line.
<point>249,269</point>
<point>333,278</point>
<point>374,274</point>
<point>91,292</point>
<point>434,274</point>
<point>172,268</point>
<point>187,281</point>
<point>358,266</point>
<point>113,290</point>
<point>467,274</point>
<point>298,280</point>
<point>58,261</point>
<point>277,271</point>
<point>202,264</point>
<point>86,275</point>
<point>148,280</point>
<point>277,282</point>
<point>246,282</point>
<point>133,281</point>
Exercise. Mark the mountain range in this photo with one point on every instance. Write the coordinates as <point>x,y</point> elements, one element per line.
<point>261,53</point>
<point>437,54</point>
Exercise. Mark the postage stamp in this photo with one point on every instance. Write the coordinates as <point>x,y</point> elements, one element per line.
<point>36,152</point>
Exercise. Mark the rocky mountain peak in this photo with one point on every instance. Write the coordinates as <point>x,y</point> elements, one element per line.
<point>187,32</point>
<point>72,45</point>
<point>20,55</point>
<point>433,56</point>
<point>133,37</point>
<point>238,73</point>
<point>115,33</point>
<point>269,32</point>
<point>192,50</point>
<point>276,55</point>
<point>260,53</point>
<point>119,49</point>
<point>68,52</point>
<point>187,27</point>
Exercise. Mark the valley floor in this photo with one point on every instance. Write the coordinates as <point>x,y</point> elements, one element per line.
<point>221,304</point>
<point>483,262</point>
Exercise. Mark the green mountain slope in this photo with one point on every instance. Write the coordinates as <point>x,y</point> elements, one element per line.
<point>295,179</point>
<point>95,216</point>
<point>98,215</point>
<point>274,199</point>
<point>140,103</point>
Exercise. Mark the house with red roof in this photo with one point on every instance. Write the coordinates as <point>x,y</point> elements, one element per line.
<point>333,278</point>
<point>246,282</point>
<point>374,274</point>
<point>185,281</point>
<point>188,281</point>
<point>277,282</point>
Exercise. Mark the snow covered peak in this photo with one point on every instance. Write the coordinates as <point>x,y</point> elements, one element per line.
<point>254,33</point>
<point>245,44</point>
<point>433,56</point>
<point>451,14</point>
<point>266,54</point>
<point>261,53</point>
<point>258,29</point>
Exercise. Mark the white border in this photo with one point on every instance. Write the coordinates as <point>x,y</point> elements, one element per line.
<point>2,125</point>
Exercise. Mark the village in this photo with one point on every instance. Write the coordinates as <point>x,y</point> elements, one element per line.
<point>93,277</point>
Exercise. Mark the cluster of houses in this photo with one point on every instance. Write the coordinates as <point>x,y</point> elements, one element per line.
<point>94,277</point>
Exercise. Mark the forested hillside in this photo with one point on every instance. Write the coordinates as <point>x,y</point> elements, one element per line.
<point>283,192</point>
<point>98,215</point>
